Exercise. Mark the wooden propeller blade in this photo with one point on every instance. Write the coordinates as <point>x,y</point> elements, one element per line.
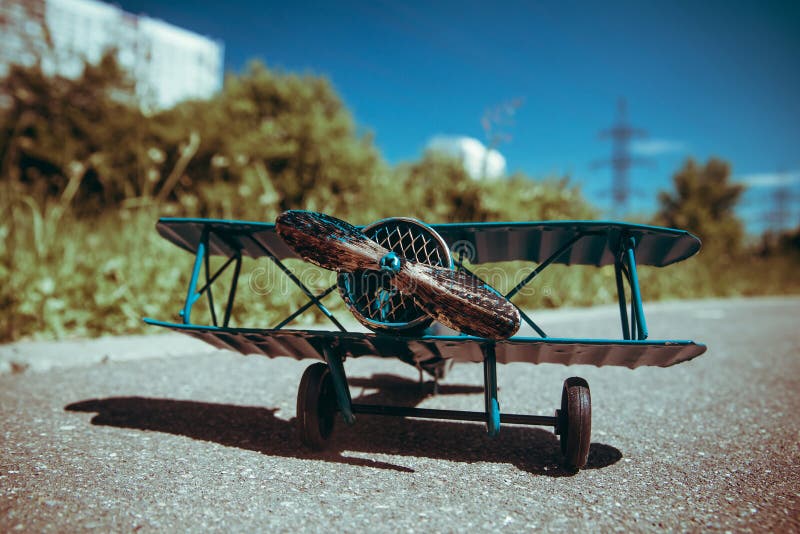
<point>454,298</point>
<point>328,242</point>
<point>458,300</point>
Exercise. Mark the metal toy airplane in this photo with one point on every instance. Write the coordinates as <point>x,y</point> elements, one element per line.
<point>398,276</point>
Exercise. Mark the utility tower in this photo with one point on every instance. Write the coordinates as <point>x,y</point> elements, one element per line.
<point>779,215</point>
<point>621,160</point>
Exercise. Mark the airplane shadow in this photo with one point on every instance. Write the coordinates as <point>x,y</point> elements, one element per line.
<point>533,450</point>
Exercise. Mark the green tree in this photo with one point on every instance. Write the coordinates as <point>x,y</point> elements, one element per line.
<point>777,243</point>
<point>70,136</point>
<point>522,198</point>
<point>703,202</point>
<point>282,138</point>
<point>437,188</point>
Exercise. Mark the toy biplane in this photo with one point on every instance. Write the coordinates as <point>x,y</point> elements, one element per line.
<point>398,275</point>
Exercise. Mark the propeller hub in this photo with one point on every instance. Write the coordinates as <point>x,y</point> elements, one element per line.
<point>390,263</point>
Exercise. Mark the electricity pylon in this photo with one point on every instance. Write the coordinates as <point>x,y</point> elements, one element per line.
<point>621,160</point>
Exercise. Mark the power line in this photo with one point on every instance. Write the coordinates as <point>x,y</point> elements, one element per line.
<point>779,215</point>
<point>621,134</point>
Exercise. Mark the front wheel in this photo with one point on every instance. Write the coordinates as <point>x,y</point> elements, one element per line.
<point>316,406</point>
<point>575,422</point>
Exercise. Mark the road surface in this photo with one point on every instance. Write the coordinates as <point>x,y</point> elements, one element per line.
<point>207,442</point>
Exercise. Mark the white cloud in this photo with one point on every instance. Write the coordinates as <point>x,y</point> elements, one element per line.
<point>477,160</point>
<point>657,147</point>
<point>770,179</point>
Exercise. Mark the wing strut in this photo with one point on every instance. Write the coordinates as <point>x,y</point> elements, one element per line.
<point>311,296</point>
<point>625,263</point>
<point>539,268</point>
<point>202,259</point>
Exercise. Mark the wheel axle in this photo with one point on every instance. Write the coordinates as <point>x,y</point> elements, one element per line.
<point>454,415</point>
<point>319,399</point>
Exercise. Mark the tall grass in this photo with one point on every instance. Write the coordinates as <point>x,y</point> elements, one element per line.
<point>61,276</point>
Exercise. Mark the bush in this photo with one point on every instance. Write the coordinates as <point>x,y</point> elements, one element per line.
<point>85,175</point>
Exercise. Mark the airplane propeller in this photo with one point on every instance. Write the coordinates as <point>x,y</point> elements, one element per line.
<point>454,298</point>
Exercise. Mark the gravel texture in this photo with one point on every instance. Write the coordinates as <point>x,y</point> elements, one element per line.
<point>41,356</point>
<point>207,442</point>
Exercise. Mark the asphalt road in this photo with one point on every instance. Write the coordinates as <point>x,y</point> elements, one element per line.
<point>207,442</point>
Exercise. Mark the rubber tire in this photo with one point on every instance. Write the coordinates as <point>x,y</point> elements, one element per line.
<point>575,422</point>
<point>316,407</point>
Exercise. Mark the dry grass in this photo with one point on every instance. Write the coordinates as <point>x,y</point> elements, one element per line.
<point>66,277</point>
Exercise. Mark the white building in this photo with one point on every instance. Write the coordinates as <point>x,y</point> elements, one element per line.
<point>168,64</point>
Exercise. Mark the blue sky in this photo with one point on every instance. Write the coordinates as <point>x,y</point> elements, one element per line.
<point>703,78</point>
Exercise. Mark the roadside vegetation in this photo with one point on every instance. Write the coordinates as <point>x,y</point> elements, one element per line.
<point>84,175</point>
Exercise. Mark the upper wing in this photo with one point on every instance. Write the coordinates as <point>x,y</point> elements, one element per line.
<point>537,241</point>
<point>225,237</point>
<point>482,242</point>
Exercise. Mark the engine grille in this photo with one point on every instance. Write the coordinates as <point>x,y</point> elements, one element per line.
<point>370,295</point>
